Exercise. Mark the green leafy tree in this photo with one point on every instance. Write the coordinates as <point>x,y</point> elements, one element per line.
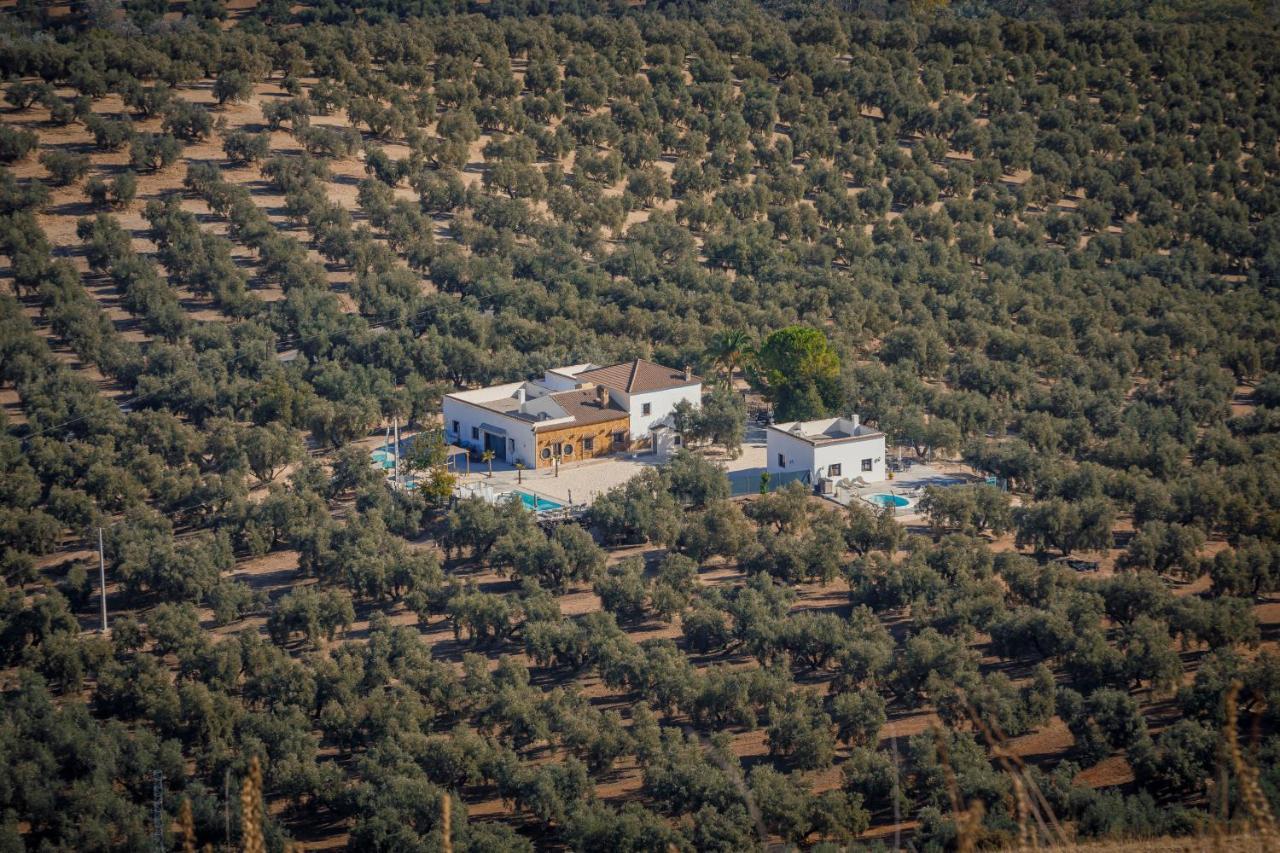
<point>429,456</point>
<point>186,120</point>
<point>116,193</point>
<point>858,716</point>
<point>1103,721</point>
<point>799,372</point>
<point>232,85</point>
<point>1065,526</point>
<point>153,152</point>
<point>64,167</point>
<point>242,147</point>
<point>1166,548</point>
<point>270,448</point>
<point>801,732</point>
<point>16,144</point>
<point>623,591</point>
<point>968,509</point>
<point>729,350</point>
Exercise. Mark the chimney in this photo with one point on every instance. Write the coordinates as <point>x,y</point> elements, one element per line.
<point>602,396</point>
<point>520,395</point>
<point>857,419</point>
<point>688,373</point>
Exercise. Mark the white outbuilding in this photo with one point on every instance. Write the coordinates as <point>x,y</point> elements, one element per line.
<point>829,449</point>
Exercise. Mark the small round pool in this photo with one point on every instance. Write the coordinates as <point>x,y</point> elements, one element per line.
<point>895,501</point>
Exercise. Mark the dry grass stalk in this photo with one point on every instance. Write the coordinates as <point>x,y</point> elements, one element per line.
<point>251,810</point>
<point>446,822</point>
<point>1031,801</point>
<point>968,820</point>
<point>1255,801</point>
<point>1025,839</point>
<point>187,826</point>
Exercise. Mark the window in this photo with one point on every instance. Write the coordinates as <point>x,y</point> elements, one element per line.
<point>568,450</point>
<point>620,437</point>
<point>646,409</point>
<point>588,445</point>
<point>546,453</point>
<point>475,433</point>
<point>833,470</point>
<point>782,461</point>
<point>455,427</point>
<point>511,445</point>
<point>866,464</point>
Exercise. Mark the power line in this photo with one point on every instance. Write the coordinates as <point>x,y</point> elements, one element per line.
<point>102,582</point>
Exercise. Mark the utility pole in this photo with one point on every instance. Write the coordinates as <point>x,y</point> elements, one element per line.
<point>395,428</point>
<point>102,583</point>
<point>226,807</point>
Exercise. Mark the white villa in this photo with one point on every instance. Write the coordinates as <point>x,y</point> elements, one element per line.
<point>829,449</point>
<point>572,413</point>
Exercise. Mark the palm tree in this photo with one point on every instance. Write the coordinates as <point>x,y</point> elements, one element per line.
<point>729,349</point>
<point>487,456</point>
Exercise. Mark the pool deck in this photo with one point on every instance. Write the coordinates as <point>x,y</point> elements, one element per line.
<point>909,484</point>
<point>536,502</point>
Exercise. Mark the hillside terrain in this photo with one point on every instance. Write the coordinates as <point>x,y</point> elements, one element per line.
<point>1040,247</point>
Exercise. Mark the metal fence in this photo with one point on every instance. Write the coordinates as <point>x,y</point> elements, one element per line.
<point>749,482</point>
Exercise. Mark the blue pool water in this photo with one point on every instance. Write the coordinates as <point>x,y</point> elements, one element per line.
<point>536,503</point>
<point>896,501</point>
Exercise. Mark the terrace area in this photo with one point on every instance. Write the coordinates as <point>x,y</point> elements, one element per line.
<point>904,491</point>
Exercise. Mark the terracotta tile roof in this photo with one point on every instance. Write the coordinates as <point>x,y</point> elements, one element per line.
<point>638,377</point>
<point>585,408</point>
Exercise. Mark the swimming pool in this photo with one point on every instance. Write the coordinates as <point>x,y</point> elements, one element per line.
<point>536,503</point>
<point>895,501</point>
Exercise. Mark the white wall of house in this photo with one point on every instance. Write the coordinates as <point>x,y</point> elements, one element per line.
<point>465,411</point>
<point>661,404</point>
<point>800,455</point>
<point>461,417</point>
<point>564,378</point>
